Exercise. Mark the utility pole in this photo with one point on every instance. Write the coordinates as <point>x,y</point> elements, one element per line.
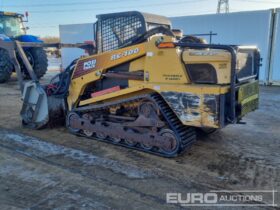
<point>223,6</point>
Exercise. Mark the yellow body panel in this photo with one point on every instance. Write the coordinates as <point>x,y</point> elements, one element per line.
<point>220,59</point>
<point>103,61</point>
<point>198,89</point>
<point>204,118</point>
<point>164,71</point>
<point>157,69</point>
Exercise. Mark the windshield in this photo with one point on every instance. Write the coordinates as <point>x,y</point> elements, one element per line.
<point>11,26</point>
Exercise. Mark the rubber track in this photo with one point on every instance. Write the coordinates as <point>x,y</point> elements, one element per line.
<point>185,134</point>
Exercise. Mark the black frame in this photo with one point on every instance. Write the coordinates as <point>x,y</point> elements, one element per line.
<point>233,81</point>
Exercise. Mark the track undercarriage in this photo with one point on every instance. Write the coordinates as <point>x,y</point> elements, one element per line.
<point>144,123</point>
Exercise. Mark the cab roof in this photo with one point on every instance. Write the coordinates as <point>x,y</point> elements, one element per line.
<point>2,13</point>
<point>148,18</point>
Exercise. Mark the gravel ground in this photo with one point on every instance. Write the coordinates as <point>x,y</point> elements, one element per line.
<point>52,169</point>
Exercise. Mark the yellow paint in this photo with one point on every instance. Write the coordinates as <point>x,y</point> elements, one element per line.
<point>105,62</point>
<point>163,71</point>
<point>243,93</point>
<point>198,89</point>
<point>10,13</point>
<point>220,59</point>
<point>164,65</point>
<point>251,98</point>
<point>112,95</point>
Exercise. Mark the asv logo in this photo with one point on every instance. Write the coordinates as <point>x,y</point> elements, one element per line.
<point>89,64</point>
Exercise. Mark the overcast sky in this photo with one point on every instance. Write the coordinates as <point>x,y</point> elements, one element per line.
<point>45,16</point>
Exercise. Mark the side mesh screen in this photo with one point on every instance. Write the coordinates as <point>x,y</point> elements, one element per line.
<point>117,31</point>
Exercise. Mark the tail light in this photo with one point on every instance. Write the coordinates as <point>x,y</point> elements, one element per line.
<point>166,45</point>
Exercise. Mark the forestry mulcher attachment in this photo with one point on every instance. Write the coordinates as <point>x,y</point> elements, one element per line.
<point>146,88</point>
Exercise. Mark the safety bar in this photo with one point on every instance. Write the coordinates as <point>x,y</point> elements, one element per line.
<point>232,51</point>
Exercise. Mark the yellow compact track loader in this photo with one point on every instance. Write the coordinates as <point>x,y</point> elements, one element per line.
<point>147,89</point>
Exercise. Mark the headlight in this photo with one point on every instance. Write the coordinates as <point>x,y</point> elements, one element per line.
<point>202,73</point>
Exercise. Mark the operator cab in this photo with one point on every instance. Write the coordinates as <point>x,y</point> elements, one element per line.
<point>117,30</point>
<point>11,24</point>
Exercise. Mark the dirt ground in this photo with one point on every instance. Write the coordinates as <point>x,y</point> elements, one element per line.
<point>52,169</point>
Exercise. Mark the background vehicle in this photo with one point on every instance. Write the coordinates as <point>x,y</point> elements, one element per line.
<point>146,88</point>
<point>12,28</point>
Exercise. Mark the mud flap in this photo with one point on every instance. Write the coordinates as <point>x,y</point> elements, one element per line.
<point>38,109</point>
